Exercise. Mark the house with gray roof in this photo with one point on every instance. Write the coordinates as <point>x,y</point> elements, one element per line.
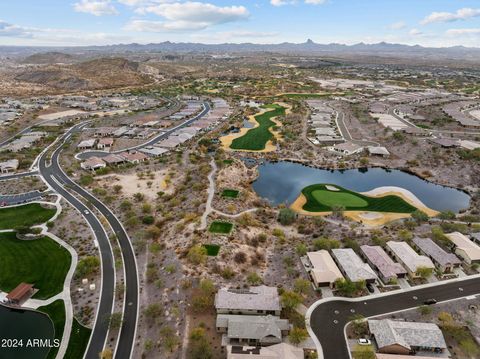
<point>410,259</point>
<point>378,259</point>
<point>352,266</point>
<point>251,329</point>
<point>442,259</point>
<point>261,300</point>
<point>401,337</point>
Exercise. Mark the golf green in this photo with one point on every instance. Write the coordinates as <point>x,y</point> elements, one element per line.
<point>330,198</point>
<point>321,198</point>
<point>230,193</point>
<point>41,262</point>
<point>220,227</point>
<point>256,138</point>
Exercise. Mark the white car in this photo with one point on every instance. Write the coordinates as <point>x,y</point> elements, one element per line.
<point>86,212</point>
<point>363,341</point>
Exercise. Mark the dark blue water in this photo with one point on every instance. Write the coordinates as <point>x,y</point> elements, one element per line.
<point>24,325</point>
<point>282,182</point>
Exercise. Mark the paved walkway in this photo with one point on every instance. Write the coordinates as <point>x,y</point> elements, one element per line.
<point>211,193</point>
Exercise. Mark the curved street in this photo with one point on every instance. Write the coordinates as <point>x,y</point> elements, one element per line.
<point>58,180</point>
<point>328,318</point>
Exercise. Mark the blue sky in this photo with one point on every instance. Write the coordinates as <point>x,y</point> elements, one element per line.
<point>95,22</point>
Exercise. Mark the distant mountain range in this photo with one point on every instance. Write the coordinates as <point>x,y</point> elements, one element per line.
<point>307,48</point>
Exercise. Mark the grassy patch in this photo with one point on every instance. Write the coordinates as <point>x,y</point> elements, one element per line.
<point>56,312</point>
<point>27,215</point>
<point>230,193</point>
<point>78,340</point>
<point>212,249</point>
<point>320,199</point>
<point>41,262</point>
<point>228,162</point>
<point>220,227</point>
<point>256,138</point>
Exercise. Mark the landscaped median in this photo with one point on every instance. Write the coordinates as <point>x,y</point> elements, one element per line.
<point>258,138</point>
<point>376,208</point>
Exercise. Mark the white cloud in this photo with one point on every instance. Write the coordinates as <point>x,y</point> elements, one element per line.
<point>315,2</point>
<point>398,25</point>
<point>461,14</point>
<point>187,16</point>
<point>292,2</point>
<point>415,32</point>
<point>95,7</point>
<point>282,2</point>
<point>11,30</point>
<point>461,32</point>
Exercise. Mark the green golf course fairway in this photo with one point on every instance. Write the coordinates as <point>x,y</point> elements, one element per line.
<point>256,138</point>
<point>320,199</point>
<point>41,262</point>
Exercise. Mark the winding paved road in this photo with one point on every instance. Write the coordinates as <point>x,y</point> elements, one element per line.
<point>58,180</point>
<point>328,318</point>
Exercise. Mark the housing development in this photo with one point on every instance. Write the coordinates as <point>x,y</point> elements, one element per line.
<point>187,200</point>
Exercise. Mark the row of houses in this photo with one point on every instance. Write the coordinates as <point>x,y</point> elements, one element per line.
<point>452,143</point>
<point>24,142</point>
<point>132,157</point>
<point>219,112</point>
<point>250,324</point>
<point>322,123</point>
<point>398,260</point>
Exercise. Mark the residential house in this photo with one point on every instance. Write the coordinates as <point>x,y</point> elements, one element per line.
<point>105,144</point>
<point>443,260</point>
<point>134,157</point>
<point>401,337</point>
<point>410,259</point>
<point>352,266</point>
<point>113,160</point>
<point>93,163</point>
<point>276,351</point>
<point>251,329</point>
<point>475,237</point>
<point>464,247</point>
<point>347,148</point>
<point>378,259</point>
<point>86,144</point>
<point>261,300</point>
<point>378,151</point>
<point>322,269</point>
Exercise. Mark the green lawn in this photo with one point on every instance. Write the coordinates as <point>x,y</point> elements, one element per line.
<point>321,199</point>
<point>256,138</point>
<point>78,341</point>
<point>212,249</point>
<point>27,215</point>
<point>230,193</point>
<point>56,312</point>
<point>41,262</point>
<point>220,227</point>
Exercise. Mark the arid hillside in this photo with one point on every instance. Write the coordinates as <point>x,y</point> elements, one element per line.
<point>90,75</point>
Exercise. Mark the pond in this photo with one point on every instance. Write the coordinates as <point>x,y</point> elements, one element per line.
<point>24,325</point>
<point>282,182</point>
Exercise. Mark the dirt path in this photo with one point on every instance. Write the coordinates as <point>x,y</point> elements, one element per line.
<point>211,193</point>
